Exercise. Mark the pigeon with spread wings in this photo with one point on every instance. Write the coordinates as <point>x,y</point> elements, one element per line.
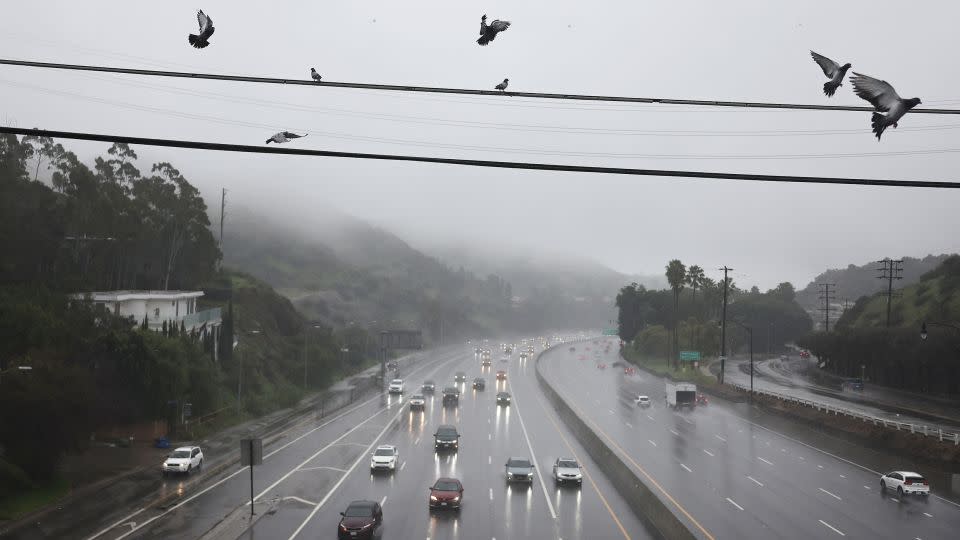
<point>884,99</point>
<point>489,31</point>
<point>834,71</point>
<point>283,136</point>
<point>202,39</point>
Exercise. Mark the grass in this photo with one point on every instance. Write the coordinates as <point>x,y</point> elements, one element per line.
<point>28,501</point>
<point>660,367</point>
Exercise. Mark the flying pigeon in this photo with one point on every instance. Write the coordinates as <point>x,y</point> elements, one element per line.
<point>314,74</point>
<point>884,99</point>
<point>206,30</point>
<point>489,32</point>
<point>834,71</point>
<point>282,137</point>
<point>503,86</point>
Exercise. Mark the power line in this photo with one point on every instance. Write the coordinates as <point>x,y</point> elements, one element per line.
<point>892,269</point>
<point>441,90</point>
<point>826,295</point>
<point>223,147</point>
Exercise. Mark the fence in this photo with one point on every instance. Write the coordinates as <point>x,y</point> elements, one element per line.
<point>921,429</point>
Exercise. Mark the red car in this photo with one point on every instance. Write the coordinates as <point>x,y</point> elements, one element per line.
<point>804,354</point>
<point>501,375</point>
<point>601,366</point>
<point>446,493</point>
<point>701,399</point>
<point>629,371</point>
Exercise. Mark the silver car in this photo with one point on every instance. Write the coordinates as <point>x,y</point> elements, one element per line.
<point>519,470</point>
<point>567,470</point>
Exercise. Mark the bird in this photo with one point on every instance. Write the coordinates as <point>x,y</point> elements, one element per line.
<point>489,31</point>
<point>206,30</point>
<point>314,74</point>
<point>283,136</point>
<point>503,86</point>
<point>884,99</point>
<point>834,71</point>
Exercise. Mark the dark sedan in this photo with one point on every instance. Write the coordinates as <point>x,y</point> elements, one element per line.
<point>361,519</point>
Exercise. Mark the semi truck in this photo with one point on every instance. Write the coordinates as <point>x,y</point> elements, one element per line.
<point>681,394</point>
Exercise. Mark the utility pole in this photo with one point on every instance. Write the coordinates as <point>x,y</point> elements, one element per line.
<point>892,269</point>
<point>827,293</point>
<point>723,324</point>
<point>223,208</point>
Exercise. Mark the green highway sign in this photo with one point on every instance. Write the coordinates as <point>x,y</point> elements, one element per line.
<point>689,356</point>
<point>610,332</point>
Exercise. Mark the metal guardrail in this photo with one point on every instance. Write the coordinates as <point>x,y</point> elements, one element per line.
<point>921,429</point>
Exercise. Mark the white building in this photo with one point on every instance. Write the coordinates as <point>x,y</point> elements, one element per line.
<point>173,307</point>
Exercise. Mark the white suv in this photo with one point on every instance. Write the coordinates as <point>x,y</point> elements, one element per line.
<point>642,401</point>
<point>185,459</point>
<point>396,386</point>
<point>384,458</point>
<point>904,483</point>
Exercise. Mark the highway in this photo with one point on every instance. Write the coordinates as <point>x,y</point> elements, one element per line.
<point>310,476</point>
<point>727,477</point>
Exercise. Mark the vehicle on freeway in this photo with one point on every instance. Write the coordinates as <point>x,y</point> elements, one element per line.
<point>573,349</point>
<point>417,402</point>
<point>479,383</point>
<point>486,361</point>
<point>523,356</point>
<point>428,386</point>
<point>567,470</point>
<point>446,438</point>
<point>905,483</point>
<point>680,394</point>
<point>804,354</point>
<point>396,386</point>
<point>701,399</point>
<point>852,384</point>
<point>642,401</point>
<point>183,460</point>
<point>519,470</point>
<point>446,493</point>
<point>451,396</point>
<point>629,371</point>
<point>392,365</point>
<point>460,377</point>
<point>601,366</point>
<point>361,520</point>
<point>503,398</point>
<point>384,458</point>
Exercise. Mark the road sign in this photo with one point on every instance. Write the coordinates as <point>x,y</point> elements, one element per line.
<point>401,339</point>
<point>689,356</point>
<point>610,331</point>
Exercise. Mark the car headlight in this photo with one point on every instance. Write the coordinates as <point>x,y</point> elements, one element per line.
<point>343,527</point>
<point>367,526</point>
<point>456,499</point>
<point>433,497</point>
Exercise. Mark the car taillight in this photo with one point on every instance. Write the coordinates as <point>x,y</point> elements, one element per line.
<point>925,483</point>
<point>909,482</point>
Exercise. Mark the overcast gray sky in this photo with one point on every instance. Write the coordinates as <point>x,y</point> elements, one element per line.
<point>735,50</point>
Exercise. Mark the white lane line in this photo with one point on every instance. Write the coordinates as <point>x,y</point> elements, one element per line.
<point>321,468</point>
<point>124,520</point>
<point>675,433</point>
<point>650,417</point>
<point>489,460</point>
<point>553,513</point>
<point>687,420</point>
<point>685,467</point>
<point>721,438</point>
<point>754,480</point>
<point>651,442</point>
<point>830,494</point>
<point>842,476</point>
<point>491,494</point>
<point>866,487</point>
<point>894,499</point>
<point>784,450</point>
<point>819,466</point>
<point>298,499</point>
<point>729,500</point>
<point>402,465</point>
<point>831,527</point>
<point>333,490</point>
<point>416,442</point>
<point>628,424</point>
<point>611,411</point>
<point>765,461</point>
<point>707,452</point>
<point>928,515</point>
<point>383,501</point>
<point>802,458</point>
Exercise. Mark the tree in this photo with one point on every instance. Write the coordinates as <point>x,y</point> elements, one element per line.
<point>784,291</point>
<point>676,276</point>
<point>695,278</point>
<point>42,148</point>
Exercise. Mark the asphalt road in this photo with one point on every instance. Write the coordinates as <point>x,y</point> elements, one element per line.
<point>307,480</point>
<point>727,477</point>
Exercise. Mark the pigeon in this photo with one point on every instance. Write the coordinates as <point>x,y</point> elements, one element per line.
<point>489,32</point>
<point>314,74</point>
<point>834,71</point>
<point>206,30</point>
<point>503,86</point>
<point>282,137</point>
<point>884,99</point>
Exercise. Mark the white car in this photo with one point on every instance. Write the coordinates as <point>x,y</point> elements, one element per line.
<point>904,483</point>
<point>384,458</point>
<point>642,401</point>
<point>183,460</point>
<point>417,402</point>
<point>567,470</point>
<point>396,386</point>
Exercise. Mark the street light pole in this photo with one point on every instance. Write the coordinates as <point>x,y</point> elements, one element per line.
<point>750,334</point>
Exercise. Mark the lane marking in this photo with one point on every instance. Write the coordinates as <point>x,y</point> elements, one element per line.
<point>765,461</point>
<point>383,501</point>
<point>830,494</point>
<point>928,515</point>
<point>121,522</point>
<point>628,424</point>
<point>650,417</point>
<point>755,481</point>
<point>866,487</point>
<point>707,452</point>
<point>402,465</point>
<point>553,513</point>
<point>651,442</point>
<point>489,460</point>
<point>333,490</point>
<point>491,494</point>
<point>611,411</point>
<point>675,433</point>
<point>894,499</point>
<point>729,500</point>
<point>298,499</point>
<point>489,436</point>
<point>819,466</point>
<point>321,468</point>
<point>784,450</point>
<point>831,527</point>
<point>802,458</point>
<point>416,442</point>
<point>842,476</point>
<point>687,468</point>
<point>719,437</point>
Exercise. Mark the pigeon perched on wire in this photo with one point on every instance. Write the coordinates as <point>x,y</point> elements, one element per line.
<point>206,30</point>
<point>884,99</point>
<point>834,71</point>
<point>489,31</point>
<point>503,86</point>
<point>314,74</point>
<point>283,136</point>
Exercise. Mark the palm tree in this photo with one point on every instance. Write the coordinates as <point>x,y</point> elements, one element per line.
<point>676,276</point>
<point>695,277</point>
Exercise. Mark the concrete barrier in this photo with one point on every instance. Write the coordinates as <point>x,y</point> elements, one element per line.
<point>638,495</point>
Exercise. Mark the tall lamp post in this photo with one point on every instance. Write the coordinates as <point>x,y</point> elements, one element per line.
<point>750,333</point>
<point>923,327</point>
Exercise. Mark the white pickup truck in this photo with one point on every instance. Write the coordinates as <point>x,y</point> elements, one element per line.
<point>681,394</point>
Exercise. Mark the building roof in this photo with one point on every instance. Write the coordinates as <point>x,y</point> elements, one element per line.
<point>121,296</point>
